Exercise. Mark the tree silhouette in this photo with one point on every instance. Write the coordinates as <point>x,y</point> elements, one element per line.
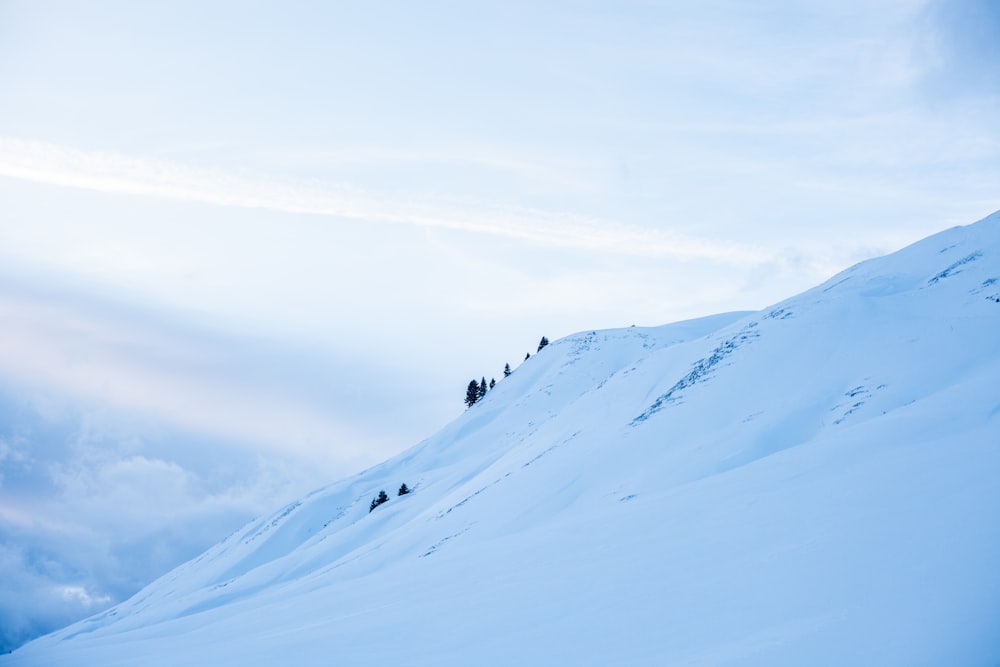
<point>472,394</point>
<point>378,500</point>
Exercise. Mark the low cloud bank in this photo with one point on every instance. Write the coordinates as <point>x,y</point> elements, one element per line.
<point>130,442</point>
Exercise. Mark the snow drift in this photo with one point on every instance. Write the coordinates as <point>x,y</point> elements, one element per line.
<point>811,484</point>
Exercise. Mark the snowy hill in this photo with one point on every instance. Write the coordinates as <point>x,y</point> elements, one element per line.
<point>812,484</point>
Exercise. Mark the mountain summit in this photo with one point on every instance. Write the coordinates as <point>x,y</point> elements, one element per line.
<point>812,484</point>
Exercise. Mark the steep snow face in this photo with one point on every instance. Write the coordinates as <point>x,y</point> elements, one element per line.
<point>812,484</point>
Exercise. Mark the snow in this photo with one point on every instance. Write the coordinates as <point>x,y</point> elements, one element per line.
<point>811,484</point>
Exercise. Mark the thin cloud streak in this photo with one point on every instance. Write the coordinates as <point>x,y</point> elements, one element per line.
<point>113,173</point>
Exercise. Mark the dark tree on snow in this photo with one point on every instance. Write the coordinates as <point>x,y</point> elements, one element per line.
<point>527,355</point>
<point>506,370</point>
<point>472,393</point>
<point>403,490</point>
<point>542,343</point>
<point>493,382</point>
<point>378,500</point>
<point>483,387</point>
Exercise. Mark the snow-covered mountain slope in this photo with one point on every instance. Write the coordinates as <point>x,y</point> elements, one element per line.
<point>812,484</point>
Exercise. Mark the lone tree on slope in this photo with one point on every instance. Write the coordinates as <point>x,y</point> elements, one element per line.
<point>506,370</point>
<point>493,382</point>
<point>483,387</point>
<point>403,490</point>
<point>378,500</point>
<point>542,343</point>
<point>472,393</point>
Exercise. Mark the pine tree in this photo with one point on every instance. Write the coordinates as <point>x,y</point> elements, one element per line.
<point>403,490</point>
<point>378,500</point>
<point>542,343</point>
<point>472,394</point>
<point>483,387</point>
<point>527,355</point>
<point>493,382</point>
<point>506,370</point>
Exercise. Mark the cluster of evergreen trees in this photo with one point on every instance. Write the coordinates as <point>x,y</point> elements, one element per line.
<point>383,498</point>
<point>477,388</point>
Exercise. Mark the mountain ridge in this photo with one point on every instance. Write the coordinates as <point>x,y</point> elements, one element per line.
<point>813,483</point>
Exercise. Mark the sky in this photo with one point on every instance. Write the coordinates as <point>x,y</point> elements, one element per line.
<point>248,248</point>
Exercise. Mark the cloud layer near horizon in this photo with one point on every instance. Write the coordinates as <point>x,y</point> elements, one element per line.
<point>130,442</point>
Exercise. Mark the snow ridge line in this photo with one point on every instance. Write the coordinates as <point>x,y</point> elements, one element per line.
<point>951,270</point>
<point>701,371</point>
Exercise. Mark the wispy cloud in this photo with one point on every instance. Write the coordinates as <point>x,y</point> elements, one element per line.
<point>114,173</point>
<point>213,383</point>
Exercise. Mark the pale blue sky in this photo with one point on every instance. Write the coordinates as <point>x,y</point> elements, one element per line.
<point>248,247</point>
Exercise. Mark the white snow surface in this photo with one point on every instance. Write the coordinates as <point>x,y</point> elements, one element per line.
<point>817,483</point>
